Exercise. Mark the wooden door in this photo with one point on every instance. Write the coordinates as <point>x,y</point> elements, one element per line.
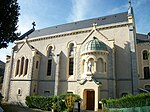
<point>90,100</point>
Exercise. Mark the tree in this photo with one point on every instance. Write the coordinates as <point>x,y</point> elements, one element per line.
<point>9,12</point>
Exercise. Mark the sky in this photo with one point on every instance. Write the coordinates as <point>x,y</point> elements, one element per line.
<point>48,13</point>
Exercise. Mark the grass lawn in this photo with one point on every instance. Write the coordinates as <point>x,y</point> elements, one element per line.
<point>15,108</point>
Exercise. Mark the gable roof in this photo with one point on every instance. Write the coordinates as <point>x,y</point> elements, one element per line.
<point>105,20</point>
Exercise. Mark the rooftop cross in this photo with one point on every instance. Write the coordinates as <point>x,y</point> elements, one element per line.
<point>33,24</point>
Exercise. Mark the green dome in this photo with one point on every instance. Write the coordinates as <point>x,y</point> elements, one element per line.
<point>95,45</point>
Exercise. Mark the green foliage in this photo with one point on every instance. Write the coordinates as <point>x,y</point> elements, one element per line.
<point>130,101</point>
<point>63,96</point>
<point>69,102</point>
<point>39,102</point>
<point>64,102</point>
<point>9,12</point>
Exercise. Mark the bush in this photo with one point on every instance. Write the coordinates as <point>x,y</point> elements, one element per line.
<point>39,102</point>
<point>130,101</point>
<point>63,102</point>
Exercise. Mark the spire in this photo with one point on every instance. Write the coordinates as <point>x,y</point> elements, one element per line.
<point>130,9</point>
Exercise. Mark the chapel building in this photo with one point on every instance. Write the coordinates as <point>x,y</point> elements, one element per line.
<point>98,58</point>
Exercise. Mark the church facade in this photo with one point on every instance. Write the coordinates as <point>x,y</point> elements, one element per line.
<point>97,58</point>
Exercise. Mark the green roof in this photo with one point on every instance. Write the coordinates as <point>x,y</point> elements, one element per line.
<point>95,45</point>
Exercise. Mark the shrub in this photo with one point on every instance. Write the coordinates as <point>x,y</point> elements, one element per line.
<point>39,102</point>
<point>130,101</point>
<point>64,102</point>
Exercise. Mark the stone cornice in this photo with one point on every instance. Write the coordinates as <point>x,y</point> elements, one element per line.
<point>94,52</point>
<point>86,30</point>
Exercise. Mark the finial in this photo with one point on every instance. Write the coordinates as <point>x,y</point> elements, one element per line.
<point>129,3</point>
<point>94,25</point>
<point>130,10</point>
<point>33,24</point>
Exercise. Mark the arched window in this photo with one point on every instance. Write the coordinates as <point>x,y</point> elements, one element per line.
<point>146,73</point>
<point>17,67</point>
<point>83,66</point>
<point>19,92</point>
<point>22,65</point>
<point>49,66</point>
<point>71,58</point>
<point>37,64</point>
<point>105,67</point>
<point>145,55</point>
<point>100,65</point>
<point>26,67</point>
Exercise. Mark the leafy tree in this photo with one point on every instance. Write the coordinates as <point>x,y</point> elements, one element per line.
<point>9,12</point>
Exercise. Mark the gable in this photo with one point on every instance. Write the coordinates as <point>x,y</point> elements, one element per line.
<point>23,50</point>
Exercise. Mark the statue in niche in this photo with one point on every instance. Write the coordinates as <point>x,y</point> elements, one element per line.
<point>90,66</point>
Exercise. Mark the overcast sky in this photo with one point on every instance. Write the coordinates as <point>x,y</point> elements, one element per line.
<point>48,13</point>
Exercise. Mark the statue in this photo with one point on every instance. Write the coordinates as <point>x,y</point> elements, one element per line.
<point>90,66</point>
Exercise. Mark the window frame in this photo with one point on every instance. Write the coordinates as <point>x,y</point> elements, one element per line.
<point>146,76</point>
<point>71,52</point>
<point>145,55</point>
<point>19,92</point>
<point>49,59</point>
<point>17,67</point>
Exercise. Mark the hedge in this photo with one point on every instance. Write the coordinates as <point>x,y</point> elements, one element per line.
<point>39,102</point>
<point>129,101</point>
<point>58,103</point>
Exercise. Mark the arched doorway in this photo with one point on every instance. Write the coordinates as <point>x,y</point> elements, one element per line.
<point>90,99</point>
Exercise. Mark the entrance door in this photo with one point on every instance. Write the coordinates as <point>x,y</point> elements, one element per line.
<point>90,100</point>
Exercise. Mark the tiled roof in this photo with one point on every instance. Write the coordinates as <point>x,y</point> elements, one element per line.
<point>95,45</point>
<point>141,38</point>
<point>111,19</point>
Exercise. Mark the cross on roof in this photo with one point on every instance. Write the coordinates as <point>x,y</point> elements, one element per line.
<point>33,24</point>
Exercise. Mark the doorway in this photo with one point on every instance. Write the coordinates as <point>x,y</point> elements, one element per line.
<point>90,99</point>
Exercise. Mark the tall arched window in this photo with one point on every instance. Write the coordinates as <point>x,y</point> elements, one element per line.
<point>26,67</point>
<point>49,66</point>
<point>71,58</point>
<point>100,65</point>
<point>145,55</point>
<point>37,64</point>
<point>17,67</point>
<point>22,65</point>
<point>146,73</point>
<point>83,66</point>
